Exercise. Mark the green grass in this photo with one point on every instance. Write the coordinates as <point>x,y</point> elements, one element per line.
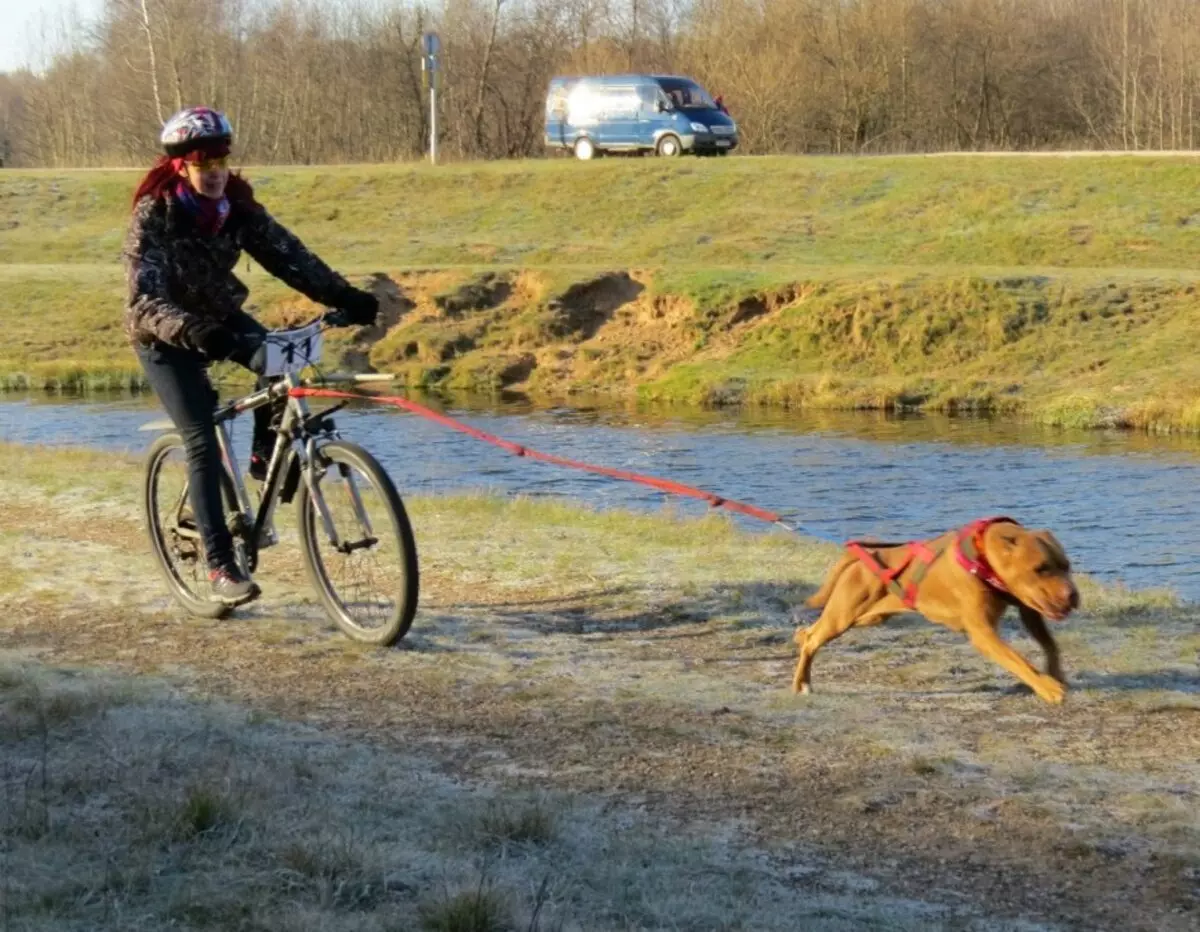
<point>1018,212</point>
<point>1058,289</point>
<point>589,711</point>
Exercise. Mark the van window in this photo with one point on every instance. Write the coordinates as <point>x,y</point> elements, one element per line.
<point>648,95</point>
<point>556,102</point>
<point>686,95</point>
<point>619,103</point>
<point>589,104</point>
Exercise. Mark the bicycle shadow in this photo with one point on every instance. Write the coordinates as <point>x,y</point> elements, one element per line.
<point>624,611</point>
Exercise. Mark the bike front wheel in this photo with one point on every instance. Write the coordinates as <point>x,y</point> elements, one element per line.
<point>358,545</point>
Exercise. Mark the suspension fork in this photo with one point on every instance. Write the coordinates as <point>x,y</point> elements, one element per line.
<point>313,471</point>
<point>312,474</point>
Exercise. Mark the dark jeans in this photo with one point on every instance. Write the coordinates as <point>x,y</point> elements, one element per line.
<point>179,378</point>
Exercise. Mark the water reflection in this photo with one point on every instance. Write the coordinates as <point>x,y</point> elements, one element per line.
<point>1122,503</point>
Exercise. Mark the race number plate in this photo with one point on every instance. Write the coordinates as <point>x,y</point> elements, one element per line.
<point>292,350</point>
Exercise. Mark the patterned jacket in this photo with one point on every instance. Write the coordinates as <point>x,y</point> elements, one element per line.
<point>181,282</point>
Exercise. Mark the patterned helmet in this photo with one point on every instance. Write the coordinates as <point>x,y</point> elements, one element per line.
<point>195,128</point>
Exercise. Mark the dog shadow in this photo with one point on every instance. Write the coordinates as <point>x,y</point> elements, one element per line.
<point>1175,681</point>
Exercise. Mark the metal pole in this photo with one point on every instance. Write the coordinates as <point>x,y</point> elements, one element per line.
<point>433,118</point>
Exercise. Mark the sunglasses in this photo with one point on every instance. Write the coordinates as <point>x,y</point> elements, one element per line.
<point>212,164</point>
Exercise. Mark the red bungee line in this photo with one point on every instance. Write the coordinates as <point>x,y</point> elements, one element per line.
<point>665,485</point>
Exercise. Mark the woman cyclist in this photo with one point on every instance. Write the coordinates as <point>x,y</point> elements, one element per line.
<point>192,219</point>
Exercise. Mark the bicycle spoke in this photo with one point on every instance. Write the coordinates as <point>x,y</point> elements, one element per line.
<point>366,578</point>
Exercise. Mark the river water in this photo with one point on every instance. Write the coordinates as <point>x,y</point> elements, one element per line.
<point>1127,507</point>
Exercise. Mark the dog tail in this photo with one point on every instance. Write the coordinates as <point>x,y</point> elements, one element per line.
<point>821,596</point>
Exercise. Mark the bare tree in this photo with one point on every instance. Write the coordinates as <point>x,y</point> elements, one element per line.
<point>313,83</point>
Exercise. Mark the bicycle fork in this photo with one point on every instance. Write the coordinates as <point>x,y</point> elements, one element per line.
<point>312,475</point>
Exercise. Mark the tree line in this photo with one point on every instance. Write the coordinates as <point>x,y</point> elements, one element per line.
<point>309,82</point>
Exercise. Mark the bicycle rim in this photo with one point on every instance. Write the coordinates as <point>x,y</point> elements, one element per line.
<point>173,532</point>
<point>368,578</point>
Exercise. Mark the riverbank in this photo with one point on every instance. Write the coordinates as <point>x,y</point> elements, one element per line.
<point>575,682</point>
<point>1058,290</point>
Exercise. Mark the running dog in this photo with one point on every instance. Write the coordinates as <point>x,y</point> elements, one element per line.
<point>965,580</point>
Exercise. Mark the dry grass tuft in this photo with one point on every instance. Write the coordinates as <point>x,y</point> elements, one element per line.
<point>482,909</point>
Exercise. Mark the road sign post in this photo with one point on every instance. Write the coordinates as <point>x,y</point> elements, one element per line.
<point>431,47</point>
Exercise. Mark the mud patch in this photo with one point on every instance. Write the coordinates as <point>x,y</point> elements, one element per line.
<point>457,347</point>
<point>484,293</point>
<point>755,306</point>
<point>394,304</point>
<point>748,309</point>
<point>517,371</point>
<point>584,308</point>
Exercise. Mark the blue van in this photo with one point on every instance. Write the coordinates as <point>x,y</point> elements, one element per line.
<point>664,114</point>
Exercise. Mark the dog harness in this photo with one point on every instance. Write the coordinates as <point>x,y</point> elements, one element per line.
<point>920,556</point>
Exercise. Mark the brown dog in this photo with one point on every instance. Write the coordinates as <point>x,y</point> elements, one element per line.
<point>964,580</point>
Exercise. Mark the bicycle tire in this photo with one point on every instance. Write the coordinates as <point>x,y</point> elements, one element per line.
<point>166,548</point>
<point>345,456</point>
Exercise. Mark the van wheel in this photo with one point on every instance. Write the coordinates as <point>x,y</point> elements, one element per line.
<point>668,146</point>
<point>584,149</point>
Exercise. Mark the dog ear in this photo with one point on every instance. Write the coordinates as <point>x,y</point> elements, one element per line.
<point>1052,545</point>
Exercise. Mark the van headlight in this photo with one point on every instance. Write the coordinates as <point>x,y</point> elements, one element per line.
<point>699,127</point>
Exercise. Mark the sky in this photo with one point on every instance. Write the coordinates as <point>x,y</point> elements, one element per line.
<point>21,22</point>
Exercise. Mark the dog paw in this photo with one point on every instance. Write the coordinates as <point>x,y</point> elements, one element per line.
<point>1052,691</point>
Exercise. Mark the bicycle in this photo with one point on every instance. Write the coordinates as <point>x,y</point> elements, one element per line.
<point>337,479</point>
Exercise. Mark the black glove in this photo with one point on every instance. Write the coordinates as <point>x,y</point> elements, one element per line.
<point>251,351</point>
<point>217,341</point>
<point>360,307</point>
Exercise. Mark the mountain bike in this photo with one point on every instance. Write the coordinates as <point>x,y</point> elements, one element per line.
<point>355,537</point>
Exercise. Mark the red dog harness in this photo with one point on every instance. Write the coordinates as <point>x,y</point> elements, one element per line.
<point>968,551</point>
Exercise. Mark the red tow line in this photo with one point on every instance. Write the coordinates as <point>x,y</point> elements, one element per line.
<point>665,485</point>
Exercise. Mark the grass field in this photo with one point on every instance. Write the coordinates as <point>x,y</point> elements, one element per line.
<point>588,728</point>
<point>1060,289</point>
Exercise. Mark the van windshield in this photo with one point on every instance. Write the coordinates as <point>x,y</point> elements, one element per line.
<point>686,95</point>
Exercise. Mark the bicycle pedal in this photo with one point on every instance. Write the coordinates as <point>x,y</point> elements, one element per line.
<point>267,538</point>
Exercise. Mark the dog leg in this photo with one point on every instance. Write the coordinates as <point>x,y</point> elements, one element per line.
<point>843,611</point>
<point>985,640</point>
<point>1035,624</point>
<point>799,683</point>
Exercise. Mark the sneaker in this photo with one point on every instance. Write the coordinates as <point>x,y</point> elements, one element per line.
<point>258,467</point>
<point>231,586</point>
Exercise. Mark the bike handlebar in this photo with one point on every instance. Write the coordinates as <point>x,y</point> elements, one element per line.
<point>340,378</point>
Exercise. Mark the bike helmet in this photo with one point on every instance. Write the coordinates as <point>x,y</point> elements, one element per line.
<point>195,128</point>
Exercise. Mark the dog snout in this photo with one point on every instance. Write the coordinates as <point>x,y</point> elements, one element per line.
<point>1065,601</point>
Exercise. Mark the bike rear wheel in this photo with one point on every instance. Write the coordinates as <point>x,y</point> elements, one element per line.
<point>366,573</point>
<point>173,535</point>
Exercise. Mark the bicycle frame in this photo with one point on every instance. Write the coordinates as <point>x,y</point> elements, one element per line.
<point>297,423</point>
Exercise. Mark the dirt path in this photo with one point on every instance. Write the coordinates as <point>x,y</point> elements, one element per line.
<point>550,653</point>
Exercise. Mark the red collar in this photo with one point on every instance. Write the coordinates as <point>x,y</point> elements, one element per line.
<point>969,552</point>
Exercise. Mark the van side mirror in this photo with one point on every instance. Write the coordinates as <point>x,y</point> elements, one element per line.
<point>662,106</point>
